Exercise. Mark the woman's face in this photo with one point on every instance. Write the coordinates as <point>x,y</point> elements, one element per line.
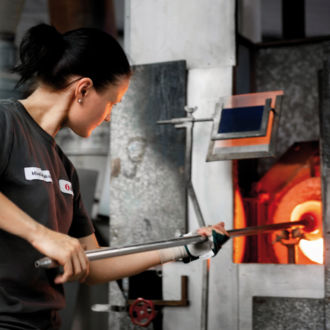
<point>96,107</point>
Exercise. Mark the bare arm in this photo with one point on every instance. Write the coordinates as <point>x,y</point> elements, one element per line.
<point>69,253</point>
<point>110,269</point>
<point>66,250</point>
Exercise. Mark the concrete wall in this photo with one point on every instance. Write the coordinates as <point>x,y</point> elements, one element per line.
<point>202,33</point>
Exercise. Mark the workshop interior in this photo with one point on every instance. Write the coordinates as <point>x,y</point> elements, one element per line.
<point>227,118</point>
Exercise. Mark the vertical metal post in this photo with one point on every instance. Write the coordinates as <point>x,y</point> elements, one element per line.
<point>205,295</point>
<point>291,253</point>
<point>188,124</point>
<point>200,219</point>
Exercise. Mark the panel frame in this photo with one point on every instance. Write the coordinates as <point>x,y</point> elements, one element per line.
<point>246,151</point>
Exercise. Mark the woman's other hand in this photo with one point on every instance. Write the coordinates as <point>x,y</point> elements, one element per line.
<point>65,250</point>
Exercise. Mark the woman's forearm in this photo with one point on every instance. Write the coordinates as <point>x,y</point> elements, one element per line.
<point>66,250</point>
<point>110,269</point>
<point>106,270</point>
<point>113,268</point>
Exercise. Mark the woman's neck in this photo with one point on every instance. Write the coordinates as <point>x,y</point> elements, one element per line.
<point>49,108</point>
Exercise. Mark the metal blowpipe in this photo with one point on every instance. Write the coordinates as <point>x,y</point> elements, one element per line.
<point>109,252</point>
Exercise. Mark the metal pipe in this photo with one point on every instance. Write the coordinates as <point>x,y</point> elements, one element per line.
<point>195,204</point>
<point>255,230</point>
<point>205,294</point>
<point>110,252</point>
<point>177,121</point>
<point>143,247</point>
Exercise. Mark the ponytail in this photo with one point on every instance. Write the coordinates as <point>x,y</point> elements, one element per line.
<point>52,58</point>
<point>39,52</point>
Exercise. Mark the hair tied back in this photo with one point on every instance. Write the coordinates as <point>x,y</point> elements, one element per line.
<point>41,49</point>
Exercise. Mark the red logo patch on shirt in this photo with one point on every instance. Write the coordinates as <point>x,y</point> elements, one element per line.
<point>66,187</point>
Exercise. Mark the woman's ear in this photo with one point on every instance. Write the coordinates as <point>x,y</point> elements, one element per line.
<point>83,87</point>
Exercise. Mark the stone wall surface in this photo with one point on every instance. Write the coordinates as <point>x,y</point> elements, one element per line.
<point>293,69</point>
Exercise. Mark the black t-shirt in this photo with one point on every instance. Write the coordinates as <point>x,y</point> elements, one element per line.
<point>37,176</point>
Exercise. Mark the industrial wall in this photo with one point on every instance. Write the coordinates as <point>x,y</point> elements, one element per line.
<point>202,34</point>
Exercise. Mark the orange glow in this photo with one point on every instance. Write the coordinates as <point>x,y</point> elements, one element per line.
<point>250,99</point>
<point>303,198</point>
<point>239,222</point>
<point>312,246</point>
<point>313,208</point>
<point>313,250</point>
<point>289,191</point>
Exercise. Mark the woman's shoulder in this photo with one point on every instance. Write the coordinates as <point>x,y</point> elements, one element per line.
<point>6,105</point>
<point>7,102</point>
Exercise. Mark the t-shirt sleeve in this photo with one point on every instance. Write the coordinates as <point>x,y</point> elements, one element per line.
<point>81,223</point>
<point>6,140</point>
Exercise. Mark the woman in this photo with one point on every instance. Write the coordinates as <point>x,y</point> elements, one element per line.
<point>77,78</point>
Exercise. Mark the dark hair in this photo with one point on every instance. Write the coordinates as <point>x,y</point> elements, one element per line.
<point>49,56</point>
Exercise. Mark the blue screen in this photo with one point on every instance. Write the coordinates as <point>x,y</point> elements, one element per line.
<point>242,119</point>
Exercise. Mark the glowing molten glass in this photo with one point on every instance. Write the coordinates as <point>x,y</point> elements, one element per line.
<point>312,246</point>
<point>313,250</point>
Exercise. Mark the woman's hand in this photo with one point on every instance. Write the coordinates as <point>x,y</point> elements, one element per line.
<point>216,237</point>
<point>207,231</point>
<point>67,251</point>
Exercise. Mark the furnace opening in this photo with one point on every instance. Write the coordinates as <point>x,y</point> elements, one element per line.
<point>289,190</point>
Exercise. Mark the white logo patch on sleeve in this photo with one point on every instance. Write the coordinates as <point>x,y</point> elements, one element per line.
<point>36,173</point>
<point>66,186</point>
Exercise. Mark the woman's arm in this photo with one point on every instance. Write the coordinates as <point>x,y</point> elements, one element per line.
<point>67,251</point>
<point>110,269</point>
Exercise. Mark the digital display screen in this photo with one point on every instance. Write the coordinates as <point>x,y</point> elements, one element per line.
<point>242,119</point>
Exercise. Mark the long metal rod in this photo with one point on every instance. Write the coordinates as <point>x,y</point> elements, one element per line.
<point>195,204</point>
<point>255,230</point>
<point>183,120</point>
<point>205,294</point>
<point>109,252</point>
